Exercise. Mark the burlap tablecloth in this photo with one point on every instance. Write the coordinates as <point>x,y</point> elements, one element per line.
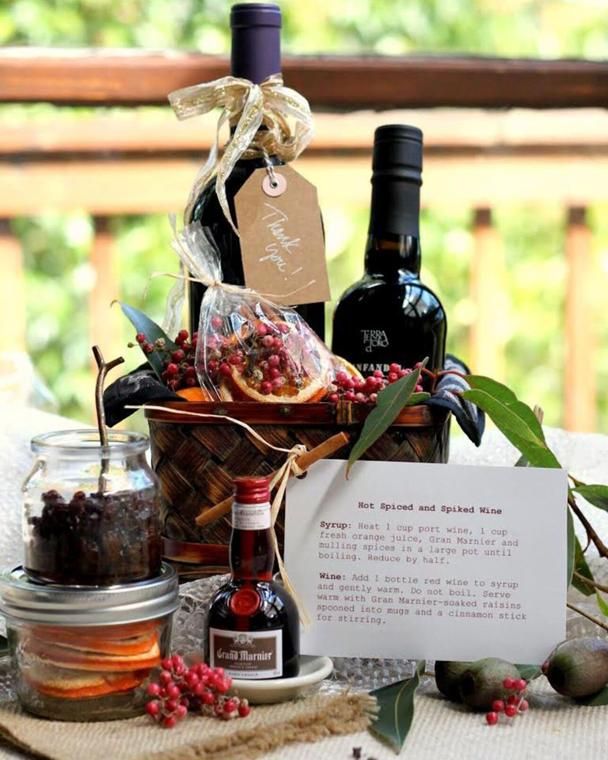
<point>553,729</point>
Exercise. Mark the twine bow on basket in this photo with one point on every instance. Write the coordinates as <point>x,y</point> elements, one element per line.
<point>246,107</point>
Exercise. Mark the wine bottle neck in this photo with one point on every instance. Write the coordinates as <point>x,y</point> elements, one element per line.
<point>394,226</point>
<point>256,41</point>
<point>392,255</point>
<point>251,555</point>
<point>251,547</point>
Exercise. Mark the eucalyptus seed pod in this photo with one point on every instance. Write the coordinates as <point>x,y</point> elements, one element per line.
<point>447,675</point>
<point>482,682</point>
<point>578,667</point>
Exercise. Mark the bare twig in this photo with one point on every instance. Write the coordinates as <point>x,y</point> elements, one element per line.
<point>590,582</point>
<point>593,619</point>
<point>539,413</point>
<point>591,533</point>
<point>103,369</point>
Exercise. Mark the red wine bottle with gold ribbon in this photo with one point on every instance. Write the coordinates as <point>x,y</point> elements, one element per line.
<point>256,55</point>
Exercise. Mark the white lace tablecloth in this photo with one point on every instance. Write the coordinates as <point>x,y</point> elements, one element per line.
<point>440,731</point>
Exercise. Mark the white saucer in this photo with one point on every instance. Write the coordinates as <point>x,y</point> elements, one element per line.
<point>312,671</point>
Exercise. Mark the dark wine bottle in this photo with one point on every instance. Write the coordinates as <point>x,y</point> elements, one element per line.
<point>389,315</point>
<point>254,628</point>
<point>256,55</point>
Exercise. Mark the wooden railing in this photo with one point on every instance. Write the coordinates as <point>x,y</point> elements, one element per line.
<point>123,164</point>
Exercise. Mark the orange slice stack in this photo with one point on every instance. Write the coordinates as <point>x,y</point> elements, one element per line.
<point>73,663</point>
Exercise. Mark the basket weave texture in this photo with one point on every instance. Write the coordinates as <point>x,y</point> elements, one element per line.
<point>196,460</point>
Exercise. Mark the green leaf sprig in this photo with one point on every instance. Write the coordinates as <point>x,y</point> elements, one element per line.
<point>396,709</point>
<point>516,421</point>
<point>522,426</point>
<point>391,401</point>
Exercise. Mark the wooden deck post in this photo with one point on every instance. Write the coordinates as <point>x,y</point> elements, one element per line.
<point>12,289</point>
<point>488,292</point>
<point>105,322</point>
<point>580,391</point>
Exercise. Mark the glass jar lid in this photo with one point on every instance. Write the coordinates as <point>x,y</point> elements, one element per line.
<point>85,444</point>
<point>24,600</point>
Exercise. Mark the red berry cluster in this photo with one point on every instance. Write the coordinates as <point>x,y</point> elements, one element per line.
<point>178,364</point>
<point>365,391</point>
<point>260,355</point>
<point>513,704</point>
<point>199,688</point>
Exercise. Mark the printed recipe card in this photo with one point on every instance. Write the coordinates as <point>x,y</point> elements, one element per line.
<point>438,561</point>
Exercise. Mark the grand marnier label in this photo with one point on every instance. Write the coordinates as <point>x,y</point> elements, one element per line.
<point>247,654</point>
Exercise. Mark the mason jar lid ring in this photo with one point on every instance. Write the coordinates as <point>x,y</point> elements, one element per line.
<point>85,443</point>
<point>25,601</point>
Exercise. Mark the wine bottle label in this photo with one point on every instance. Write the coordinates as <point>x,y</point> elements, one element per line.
<point>372,339</point>
<point>281,237</point>
<point>247,654</point>
<point>251,516</point>
<point>367,368</point>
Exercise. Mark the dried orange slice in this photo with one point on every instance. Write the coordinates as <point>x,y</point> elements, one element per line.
<point>56,682</point>
<point>194,394</point>
<point>272,361</point>
<point>341,364</point>
<point>71,658</point>
<point>309,391</point>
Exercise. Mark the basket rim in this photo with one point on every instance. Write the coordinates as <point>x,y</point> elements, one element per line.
<point>321,413</point>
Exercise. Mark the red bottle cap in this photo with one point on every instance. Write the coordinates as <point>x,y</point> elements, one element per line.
<point>252,490</point>
<point>246,601</point>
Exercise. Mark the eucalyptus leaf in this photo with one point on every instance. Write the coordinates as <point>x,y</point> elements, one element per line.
<point>597,700</point>
<point>417,398</point>
<point>601,603</point>
<point>529,672</point>
<point>391,400</point>
<point>582,568</point>
<point>594,494</point>
<point>505,396</point>
<point>396,709</point>
<point>522,461</point>
<point>513,418</point>
<point>153,332</point>
<point>571,549</point>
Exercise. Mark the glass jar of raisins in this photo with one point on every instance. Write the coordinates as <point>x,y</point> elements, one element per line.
<point>91,512</point>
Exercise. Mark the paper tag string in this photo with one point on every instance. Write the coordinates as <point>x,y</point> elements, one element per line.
<point>246,107</point>
<point>279,481</point>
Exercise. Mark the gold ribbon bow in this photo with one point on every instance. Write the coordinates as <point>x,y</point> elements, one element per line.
<point>247,107</point>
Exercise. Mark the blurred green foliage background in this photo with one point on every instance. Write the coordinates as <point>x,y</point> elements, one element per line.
<point>56,246</point>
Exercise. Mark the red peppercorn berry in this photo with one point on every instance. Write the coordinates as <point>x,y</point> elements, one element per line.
<point>492,718</point>
<point>181,689</point>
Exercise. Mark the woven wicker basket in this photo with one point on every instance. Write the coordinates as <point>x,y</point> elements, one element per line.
<point>196,460</point>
